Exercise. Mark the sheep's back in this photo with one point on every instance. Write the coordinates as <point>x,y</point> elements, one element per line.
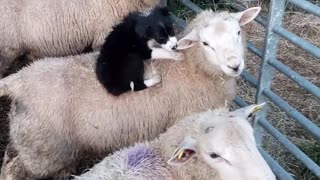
<point>63,96</point>
<point>69,27</point>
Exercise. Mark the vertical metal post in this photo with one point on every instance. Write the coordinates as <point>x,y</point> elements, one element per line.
<point>271,43</point>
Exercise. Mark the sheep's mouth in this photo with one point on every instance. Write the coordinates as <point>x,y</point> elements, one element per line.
<point>231,71</point>
<point>237,73</point>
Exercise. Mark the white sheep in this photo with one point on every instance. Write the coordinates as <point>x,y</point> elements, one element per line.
<point>38,28</point>
<point>212,145</point>
<point>61,111</point>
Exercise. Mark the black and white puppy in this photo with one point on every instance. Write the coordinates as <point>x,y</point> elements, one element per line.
<point>120,65</point>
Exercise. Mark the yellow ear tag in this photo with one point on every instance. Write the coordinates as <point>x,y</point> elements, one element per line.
<point>180,154</point>
<point>257,108</point>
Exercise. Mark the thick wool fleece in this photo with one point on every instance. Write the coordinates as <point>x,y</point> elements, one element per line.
<point>38,28</point>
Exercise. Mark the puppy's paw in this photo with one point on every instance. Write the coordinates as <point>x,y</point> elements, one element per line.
<point>132,85</point>
<point>155,79</point>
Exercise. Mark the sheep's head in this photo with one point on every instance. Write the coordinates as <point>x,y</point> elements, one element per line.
<point>219,38</point>
<point>225,141</point>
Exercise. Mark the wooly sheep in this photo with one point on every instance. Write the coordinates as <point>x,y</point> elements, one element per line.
<point>60,110</point>
<point>213,145</point>
<point>38,28</point>
<point>120,66</point>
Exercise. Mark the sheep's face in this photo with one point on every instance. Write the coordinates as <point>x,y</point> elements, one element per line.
<point>157,26</point>
<point>222,45</point>
<point>225,141</point>
<point>221,40</point>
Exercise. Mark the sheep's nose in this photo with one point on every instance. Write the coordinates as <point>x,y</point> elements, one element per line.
<point>236,68</point>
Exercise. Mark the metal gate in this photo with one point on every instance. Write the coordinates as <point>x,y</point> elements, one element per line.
<point>269,64</point>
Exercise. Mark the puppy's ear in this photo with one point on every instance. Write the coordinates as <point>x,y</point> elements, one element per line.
<point>143,30</point>
<point>148,32</point>
<point>164,11</point>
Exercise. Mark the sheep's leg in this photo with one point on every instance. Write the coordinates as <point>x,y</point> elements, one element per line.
<point>4,66</point>
<point>14,170</point>
<point>6,60</point>
<point>159,53</point>
<point>42,166</point>
<point>65,174</point>
<point>10,153</point>
<point>5,169</point>
<point>41,155</point>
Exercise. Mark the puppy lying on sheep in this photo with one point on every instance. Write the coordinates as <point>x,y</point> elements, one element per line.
<point>55,28</point>
<point>120,66</point>
<point>60,110</point>
<point>213,145</point>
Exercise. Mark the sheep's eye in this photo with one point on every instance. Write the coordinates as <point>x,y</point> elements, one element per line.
<point>206,44</point>
<point>214,155</point>
<point>238,33</point>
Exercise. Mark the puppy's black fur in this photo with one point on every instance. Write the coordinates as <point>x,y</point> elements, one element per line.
<point>122,56</point>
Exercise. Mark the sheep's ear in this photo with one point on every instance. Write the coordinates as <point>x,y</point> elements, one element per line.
<point>188,41</point>
<point>185,152</point>
<point>248,111</point>
<point>247,15</point>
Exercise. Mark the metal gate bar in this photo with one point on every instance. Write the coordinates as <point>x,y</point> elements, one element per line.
<point>301,81</point>
<point>314,50</point>
<point>268,64</point>
<point>307,6</point>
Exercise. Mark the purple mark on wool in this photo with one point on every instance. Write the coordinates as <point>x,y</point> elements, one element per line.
<point>142,155</point>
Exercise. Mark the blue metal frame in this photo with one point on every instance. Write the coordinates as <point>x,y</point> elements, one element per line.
<point>269,64</point>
